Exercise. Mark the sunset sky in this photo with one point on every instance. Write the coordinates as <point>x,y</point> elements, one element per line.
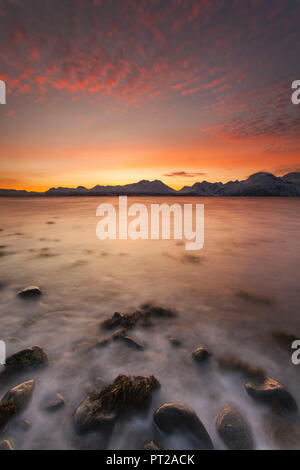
<point>115,91</point>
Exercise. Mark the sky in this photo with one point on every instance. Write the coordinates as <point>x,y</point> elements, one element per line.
<point>115,91</point>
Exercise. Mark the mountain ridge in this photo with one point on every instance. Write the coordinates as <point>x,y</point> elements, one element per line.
<point>260,184</point>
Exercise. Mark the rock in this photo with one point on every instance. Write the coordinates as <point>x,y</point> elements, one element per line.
<point>123,320</point>
<point>151,445</point>
<point>271,393</point>
<point>7,411</point>
<point>175,342</point>
<point>29,292</point>
<point>53,403</point>
<point>235,364</point>
<point>284,340</point>
<point>20,395</point>
<point>234,430</point>
<point>143,315</point>
<point>5,444</point>
<point>91,416</point>
<point>27,358</point>
<point>132,343</point>
<point>118,334</point>
<point>200,354</point>
<point>174,418</point>
<point>126,392</point>
<point>23,425</point>
<point>104,342</point>
<point>100,409</point>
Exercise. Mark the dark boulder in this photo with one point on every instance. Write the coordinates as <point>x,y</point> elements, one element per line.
<point>143,316</point>
<point>53,403</point>
<point>20,395</point>
<point>91,416</point>
<point>271,393</point>
<point>174,342</point>
<point>173,418</point>
<point>200,354</point>
<point>30,292</point>
<point>100,409</point>
<point>27,358</point>
<point>7,411</point>
<point>128,340</point>
<point>234,430</point>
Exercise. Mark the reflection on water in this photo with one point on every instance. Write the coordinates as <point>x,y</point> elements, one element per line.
<point>229,297</point>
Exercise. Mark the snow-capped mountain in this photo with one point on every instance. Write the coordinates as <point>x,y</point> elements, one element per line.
<point>258,184</point>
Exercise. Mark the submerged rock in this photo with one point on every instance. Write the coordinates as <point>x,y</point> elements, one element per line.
<point>284,340</point>
<point>100,409</point>
<point>234,430</point>
<point>7,411</point>
<point>23,425</point>
<point>144,316</point>
<point>27,358</point>
<point>130,342</point>
<point>120,336</point>
<point>176,418</point>
<point>271,393</point>
<point>174,342</point>
<point>235,364</point>
<point>200,354</point>
<point>5,444</point>
<point>53,403</point>
<point>282,429</point>
<point>20,395</point>
<point>29,292</point>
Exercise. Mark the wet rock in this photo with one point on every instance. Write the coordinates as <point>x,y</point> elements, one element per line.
<point>25,359</point>
<point>234,430</point>
<point>176,418</point>
<point>123,320</point>
<point>284,340</point>
<point>24,425</point>
<point>282,429</point>
<point>20,395</point>
<point>130,342</point>
<point>255,298</point>
<point>7,411</point>
<point>84,347</point>
<point>128,392</point>
<point>91,416</point>
<point>104,342</point>
<point>120,336</point>
<point>100,409</point>
<point>53,403</point>
<point>30,292</point>
<point>144,316</point>
<point>271,393</point>
<point>5,444</point>
<point>151,445</point>
<point>174,342</point>
<point>200,354</point>
<point>235,364</point>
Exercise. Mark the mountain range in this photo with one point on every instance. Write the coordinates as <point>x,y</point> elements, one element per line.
<point>259,184</point>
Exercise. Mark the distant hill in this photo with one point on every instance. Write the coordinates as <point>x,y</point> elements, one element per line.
<point>260,184</point>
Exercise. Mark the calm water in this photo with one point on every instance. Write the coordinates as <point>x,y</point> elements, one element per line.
<point>229,297</point>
